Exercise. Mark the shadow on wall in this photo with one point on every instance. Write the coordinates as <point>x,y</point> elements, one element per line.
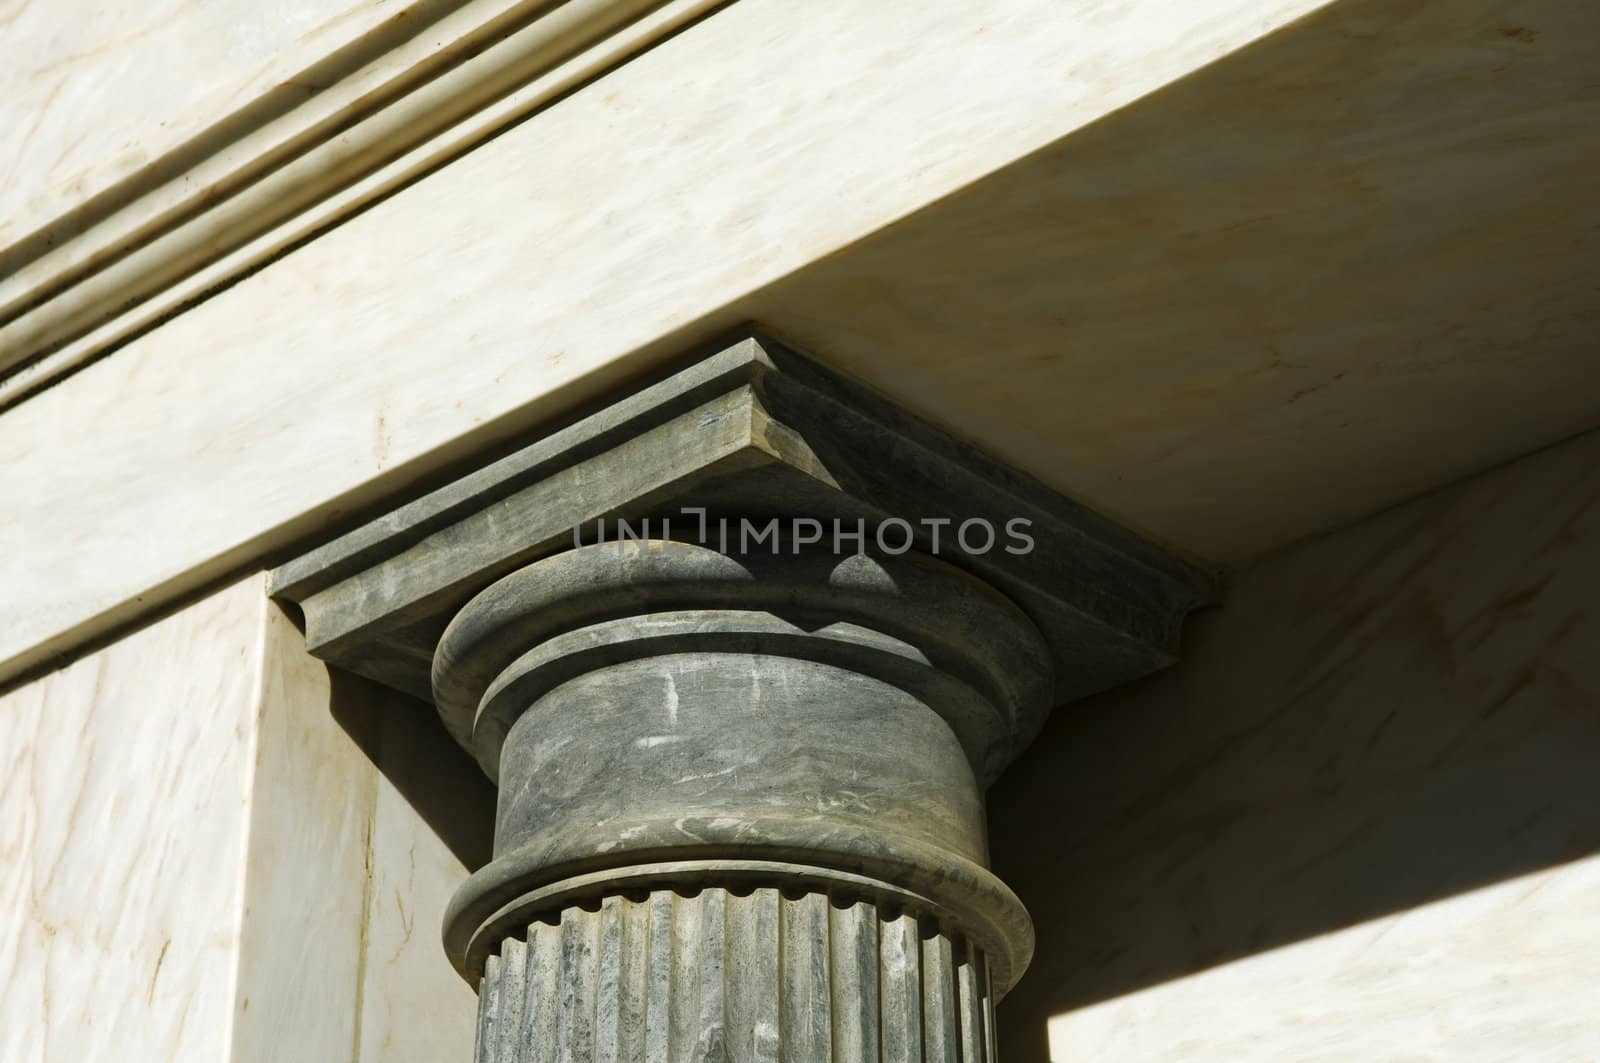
<point>408,743</point>
<point>1221,313</point>
<point>1387,716</point>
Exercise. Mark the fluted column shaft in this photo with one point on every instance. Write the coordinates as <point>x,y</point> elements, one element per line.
<point>761,975</point>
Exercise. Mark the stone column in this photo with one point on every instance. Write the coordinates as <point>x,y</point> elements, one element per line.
<point>741,804</point>
<point>741,786</point>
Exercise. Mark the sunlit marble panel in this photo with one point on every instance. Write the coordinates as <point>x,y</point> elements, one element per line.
<point>1503,973</point>
<point>345,882</point>
<point>200,861</point>
<point>124,798</point>
<point>308,868</point>
<point>414,1007</point>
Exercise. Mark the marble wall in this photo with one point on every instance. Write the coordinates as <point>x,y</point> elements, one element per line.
<point>538,271</point>
<point>1360,819</point>
<point>94,92</point>
<point>206,863</point>
<point>124,798</point>
<point>344,882</point>
<point>1069,231</point>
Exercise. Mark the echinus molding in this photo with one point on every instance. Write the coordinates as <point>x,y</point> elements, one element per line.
<point>742,751</point>
<point>432,82</point>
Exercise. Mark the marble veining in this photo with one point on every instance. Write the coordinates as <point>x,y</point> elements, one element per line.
<point>307,868</point>
<point>124,794</point>
<point>1358,820</point>
<point>414,1007</point>
<point>1219,323</point>
<point>93,92</point>
<point>295,162</point>
<point>198,862</point>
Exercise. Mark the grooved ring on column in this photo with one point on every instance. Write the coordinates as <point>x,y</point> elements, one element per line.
<point>749,974</point>
<point>962,897</point>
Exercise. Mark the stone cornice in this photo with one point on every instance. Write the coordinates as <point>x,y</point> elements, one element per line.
<point>425,87</point>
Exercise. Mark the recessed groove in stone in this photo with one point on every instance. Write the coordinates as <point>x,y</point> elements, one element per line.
<point>544,970</point>
<point>746,977</point>
<point>853,956</point>
<point>939,1019</point>
<point>576,987</point>
<point>900,989</point>
<point>513,993</point>
<point>805,1005</point>
<point>489,1012</point>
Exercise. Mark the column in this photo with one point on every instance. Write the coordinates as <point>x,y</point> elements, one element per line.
<point>741,777</point>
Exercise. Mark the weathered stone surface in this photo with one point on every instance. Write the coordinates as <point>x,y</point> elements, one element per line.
<point>791,719</point>
<point>713,974</point>
<point>741,782</point>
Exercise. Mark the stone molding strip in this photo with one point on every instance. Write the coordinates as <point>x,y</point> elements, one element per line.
<point>430,84</point>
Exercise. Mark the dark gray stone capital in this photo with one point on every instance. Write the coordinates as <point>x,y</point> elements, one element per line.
<point>741,784</point>
<point>663,705</point>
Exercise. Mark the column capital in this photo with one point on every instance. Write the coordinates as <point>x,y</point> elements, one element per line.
<point>742,737</point>
<point>663,715</point>
<point>753,430</point>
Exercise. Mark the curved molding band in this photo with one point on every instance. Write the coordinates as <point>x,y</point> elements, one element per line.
<point>905,619</point>
<point>427,86</point>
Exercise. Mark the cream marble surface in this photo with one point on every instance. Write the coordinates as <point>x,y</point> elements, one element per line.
<point>1227,324</point>
<point>1340,267</point>
<point>93,91</point>
<point>295,161</point>
<point>414,1007</point>
<point>307,869</point>
<point>1360,820</point>
<point>200,862</point>
<point>345,886</point>
<point>1503,973</point>
<point>123,802</point>
<point>541,268</point>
